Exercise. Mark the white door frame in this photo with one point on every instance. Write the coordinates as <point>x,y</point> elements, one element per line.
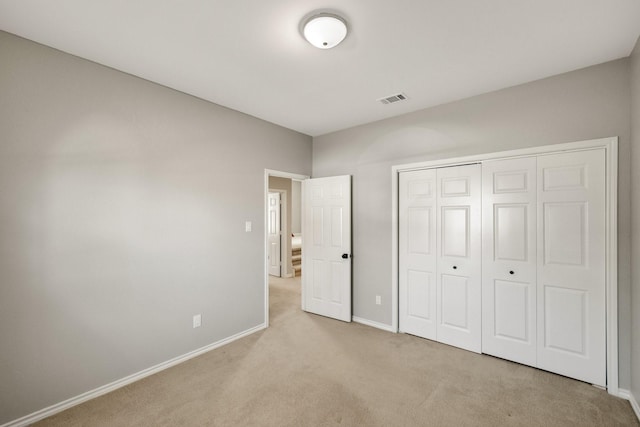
<point>267,174</point>
<point>610,145</point>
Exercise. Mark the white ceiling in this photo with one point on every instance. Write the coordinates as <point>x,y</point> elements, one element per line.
<point>248,54</point>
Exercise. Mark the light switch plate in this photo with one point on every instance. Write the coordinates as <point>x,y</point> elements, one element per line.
<point>197,320</point>
<point>247,226</point>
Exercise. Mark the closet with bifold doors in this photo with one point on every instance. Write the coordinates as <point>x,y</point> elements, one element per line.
<point>440,255</point>
<point>508,257</point>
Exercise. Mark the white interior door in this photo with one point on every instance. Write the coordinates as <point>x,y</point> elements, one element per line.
<point>459,256</point>
<point>417,253</point>
<point>274,234</point>
<point>509,259</point>
<point>326,251</point>
<point>571,265</point>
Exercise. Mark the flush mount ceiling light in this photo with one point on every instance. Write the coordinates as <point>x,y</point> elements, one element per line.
<point>325,30</point>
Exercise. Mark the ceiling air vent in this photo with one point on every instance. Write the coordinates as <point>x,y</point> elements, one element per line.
<point>393,98</point>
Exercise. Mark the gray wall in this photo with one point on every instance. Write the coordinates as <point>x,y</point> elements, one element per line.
<point>296,206</point>
<point>584,104</point>
<point>122,214</point>
<point>635,226</point>
<point>284,184</point>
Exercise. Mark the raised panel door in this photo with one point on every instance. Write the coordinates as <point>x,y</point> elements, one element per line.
<point>274,234</point>
<point>458,246</point>
<point>326,283</point>
<point>571,316</point>
<point>417,253</point>
<point>509,259</point>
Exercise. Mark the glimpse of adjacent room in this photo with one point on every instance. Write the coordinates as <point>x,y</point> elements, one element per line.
<point>284,232</point>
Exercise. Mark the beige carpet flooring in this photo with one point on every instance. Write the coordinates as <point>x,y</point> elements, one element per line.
<point>307,370</point>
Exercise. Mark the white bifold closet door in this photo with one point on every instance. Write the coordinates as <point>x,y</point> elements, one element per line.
<point>417,250</point>
<point>571,308</point>
<point>459,250</point>
<point>533,290</point>
<point>543,301</point>
<point>440,250</point>
<point>509,259</point>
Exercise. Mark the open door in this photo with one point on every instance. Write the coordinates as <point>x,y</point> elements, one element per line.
<point>326,227</point>
<point>274,235</point>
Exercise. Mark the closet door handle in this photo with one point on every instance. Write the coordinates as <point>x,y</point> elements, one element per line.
<point>511,272</point>
<point>455,267</point>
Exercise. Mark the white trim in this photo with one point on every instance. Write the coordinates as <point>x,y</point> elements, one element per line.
<point>611,221</point>
<point>626,394</point>
<point>267,174</point>
<point>281,174</point>
<point>394,248</point>
<point>107,388</point>
<point>373,324</point>
<point>521,152</point>
<point>303,306</point>
<point>610,145</point>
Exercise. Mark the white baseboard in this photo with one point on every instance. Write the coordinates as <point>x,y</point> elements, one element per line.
<point>373,324</point>
<point>635,405</point>
<point>626,394</point>
<point>92,394</point>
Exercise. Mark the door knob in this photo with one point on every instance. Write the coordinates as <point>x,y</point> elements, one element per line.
<point>345,256</point>
<point>455,267</point>
<point>511,272</point>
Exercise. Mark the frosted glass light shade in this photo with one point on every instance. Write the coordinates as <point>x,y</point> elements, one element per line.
<point>325,31</point>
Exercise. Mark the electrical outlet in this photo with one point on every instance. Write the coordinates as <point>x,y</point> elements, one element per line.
<point>197,320</point>
<point>247,226</point>
<point>378,300</point>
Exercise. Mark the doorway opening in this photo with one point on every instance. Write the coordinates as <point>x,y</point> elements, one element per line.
<point>283,234</point>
